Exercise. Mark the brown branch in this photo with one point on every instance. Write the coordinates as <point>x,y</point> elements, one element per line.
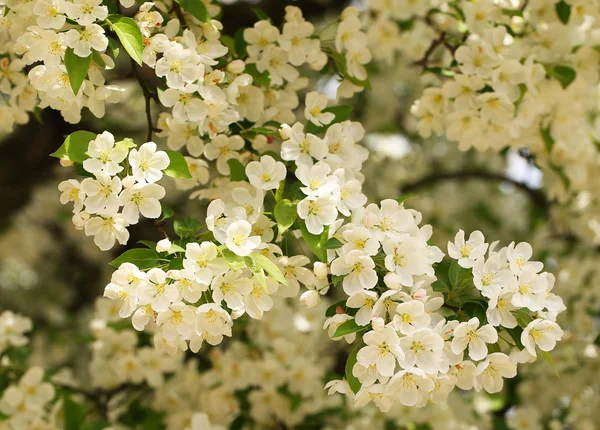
<point>537,197</point>
<point>179,14</point>
<point>423,62</point>
<point>148,97</point>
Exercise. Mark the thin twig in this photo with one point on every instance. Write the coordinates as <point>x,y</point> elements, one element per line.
<point>148,97</point>
<point>434,44</point>
<point>179,14</point>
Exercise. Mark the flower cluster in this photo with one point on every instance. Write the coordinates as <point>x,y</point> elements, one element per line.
<point>425,336</point>
<point>122,187</point>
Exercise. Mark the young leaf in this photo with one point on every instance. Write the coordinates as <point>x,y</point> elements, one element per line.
<point>440,287</point>
<point>196,8</point>
<point>348,327</point>
<point>261,14</point>
<point>238,171</point>
<point>455,273</point>
<point>563,10</point>
<point>548,358</point>
<point>564,74</point>
<point>314,242</point>
<point>285,214</point>
<point>233,260</point>
<point>176,264</point>
<point>259,78</point>
<point>77,68</point>
<point>239,43</point>
<point>167,212</point>
<point>342,113</point>
<point>74,414</point>
<point>333,243</point>
<point>270,267</point>
<point>402,199</point>
<point>75,146</point>
<point>178,167</point>
<point>515,334</point>
<point>256,270</point>
<point>129,34</point>
<point>352,380</point>
<point>141,257</point>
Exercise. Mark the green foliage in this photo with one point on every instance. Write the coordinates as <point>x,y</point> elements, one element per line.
<point>262,79</point>
<point>196,8</point>
<point>332,310</point>
<point>352,380</point>
<point>342,113</point>
<point>129,34</point>
<point>333,243</point>
<point>349,327</point>
<point>75,146</point>
<point>402,199</point>
<point>269,267</point>
<point>74,413</point>
<point>167,212</point>
<point>563,10</point>
<point>285,214</point>
<point>239,43</point>
<point>316,243</point>
<point>564,74</point>
<point>261,14</point>
<point>141,257</point>
<point>187,228</point>
<point>238,171</point>
<point>178,167</point>
<point>77,68</point>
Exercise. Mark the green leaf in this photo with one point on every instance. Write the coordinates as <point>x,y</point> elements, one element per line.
<point>238,171</point>
<point>176,264</point>
<point>187,228</point>
<point>285,214</point>
<point>151,245</point>
<point>515,334</point>
<point>402,199</point>
<point>114,47</point>
<point>196,8</point>
<point>261,14</point>
<point>258,78</point>
<point>455,273</point>
<point>75,146</point>
<point>270,267</point>
<point>314,242</point>
<point>77,68</point>
<point>349,327</point>
<point>564,74</point>
<point>440,287</point>
<point>548,358</point>
<point>233,260</point>
<point>563,10</point>
<point>332,310</point>
<point>548,139</point>
<point>129,34</point>
<point>178,167</point>
<point>74,414</point>
<point>97,58</point>
<point>352,380</point>
<point>141,257</point>
<point>256,270</point>
<point>523,317</point>
<point>239,43</point>
<point>333,243</point>
<point>512,12</point>
<point>167,212</point>
<point>175,248</point>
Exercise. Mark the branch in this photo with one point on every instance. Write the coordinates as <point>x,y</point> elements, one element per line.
<point>179,14</point>
<point>434,44</point>
<point>537,197</point>
<point>148,97</point>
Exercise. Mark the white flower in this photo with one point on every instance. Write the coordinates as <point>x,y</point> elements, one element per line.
<point>231,287</point>
<point>411,315</point>
<point>261,37</point>
<point>186,107</point>
<point>239,240</point>
<point>123,287</point>
<point>50,14</point>
<point>531,290</point>
<point>102,193</point>
<point>189,288</point>
<point>518,257</point>
<point>490,278</point>
<point>317,213</point>
<point>178,320</point>
<point>361,239</point>
<point>332,324</point>
<point>104,155</point>
<point>12,329</point>
<point>465,373</point>
<point>467,252</point>
<point>424,349</point>
<point>266,174</point>
<point>407,259</point>
<point>500,309</point>
<point>542,333</point>
<point>410,386</point>
<point>147,163</point>
<point>156,291</point>
<point>469,334</point>
<point>375,393</point>
<point>316,180</point>
<point>204,261</point>
<point>294,272</point>
<point>72,192</point>
<point>315,103</point>
<point>492,370</point>
<point>382,350</point>
<point>302,148</point>
<point>213,319</point>
<point>179,66</point>
<point>358,270</point>
<point>141,198</point>
<point>222,148</point>
<point>364,300</point>
<point>90,37</point>
<point>259,300</point>
<point>106,230</point>
<point>86,12</point>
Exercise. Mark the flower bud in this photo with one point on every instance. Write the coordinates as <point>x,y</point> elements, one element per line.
<point>310,298</point>
<point>163,245</point>
<point>66,163</point>
<point>236,67</point>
